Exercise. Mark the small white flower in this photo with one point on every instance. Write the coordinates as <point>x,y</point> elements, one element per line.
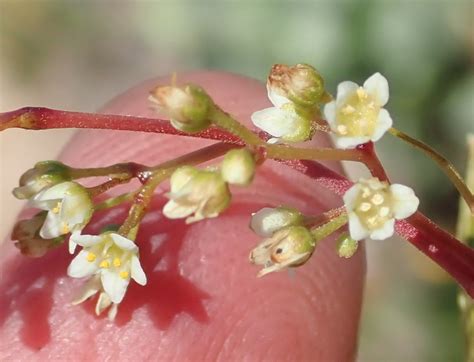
<point>69,209</point>
<point>282,121</point>
<point>373,206</point>
<point>200,192</point>
<point>268,220</point>
<point>112,257</point>
<point>357,115</point>
<point>288,247</point>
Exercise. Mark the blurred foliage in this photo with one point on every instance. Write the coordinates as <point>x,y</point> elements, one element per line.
<point>56,51</point>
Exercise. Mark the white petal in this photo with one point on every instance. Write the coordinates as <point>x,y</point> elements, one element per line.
<point>384,232</point>
<point>345,89</point>
<point>274,141</point>
<point>276,99</point>
<point>356,229</point>
<point>114,285</point>
<point>76,210</point>
<point>86,241</point>
<point>173,210</point>
<point>52,227</point>
<point>350,197</point>
<point>384,122</point>
<point>71,246</point>
<point>275,121</point>
<point>137,271</point>
<point>405,202</point>
<point>92,286</point>
<point>349,142</point>
<point>103,302</point>
<point>56,192</point>
<point>330,113</point>
<point>80,267</point>
<point>123,243</point>
<point>268,220</point>
<point>377,86</point>
<point>112,312</point>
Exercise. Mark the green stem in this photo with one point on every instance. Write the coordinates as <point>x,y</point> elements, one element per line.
<point>161,172</point>
<point>283,152</point>
<point>225,121</point>
<point>465,233</point>
<point>442,162</point>
<point>114,201</point>
<point>320,232</point>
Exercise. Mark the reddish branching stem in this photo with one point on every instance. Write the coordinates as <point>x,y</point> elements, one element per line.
<point>453,256</point>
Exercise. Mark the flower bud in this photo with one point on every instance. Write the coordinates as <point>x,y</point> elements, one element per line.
<point>346,246</point>
<point>188,107</point>
<point>268,220</point>
<point>43,174</point>
<point>288,247</point>
<point>302,84</point>
<point>30,243</point>
<point>203,194</point>
<point>238,167</point>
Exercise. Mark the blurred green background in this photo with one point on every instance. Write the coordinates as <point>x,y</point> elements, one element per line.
<point>78,54</point>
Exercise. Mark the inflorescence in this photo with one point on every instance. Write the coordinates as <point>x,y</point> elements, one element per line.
<point>373,208</point>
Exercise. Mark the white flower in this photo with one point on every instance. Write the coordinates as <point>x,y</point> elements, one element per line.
<point>282,121</point>
<point>373,206</point>
<point>356,116</point>
<point>202,193</point>
<point>288,247</point>
<point>69,209</point>
<point>111,256</point>
<point>268,220</point>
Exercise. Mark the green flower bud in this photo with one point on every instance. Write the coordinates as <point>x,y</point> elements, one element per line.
<point>30,243</point>
<point>188,107</point>
<point>238,167</point>
<point>302,84</point>
<point>288,247</point>
<point>44,174</point>
<point>346,246</point>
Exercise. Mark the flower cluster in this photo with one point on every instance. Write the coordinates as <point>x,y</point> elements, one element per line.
<point>111,260</point>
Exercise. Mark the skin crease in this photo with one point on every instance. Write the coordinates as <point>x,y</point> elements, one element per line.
<point>203,300</point>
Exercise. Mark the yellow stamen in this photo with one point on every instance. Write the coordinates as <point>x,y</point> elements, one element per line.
<point>65,228</point>
<point>91,257</point>
<point>117,262</point>
<point>57,208</point>
<point>361,93</point>
<point>348,109</point>
<point>377,199</point>
<point>104,264</point>
<point>384,211</point>
<point>365,206</point>
<point>342,129</point>
<point>124,274</point>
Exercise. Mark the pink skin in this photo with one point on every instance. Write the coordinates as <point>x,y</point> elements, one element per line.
<point>202,301</point>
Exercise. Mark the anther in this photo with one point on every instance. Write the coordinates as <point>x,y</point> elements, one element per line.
<point>91,257</point>
<point>377,199</point>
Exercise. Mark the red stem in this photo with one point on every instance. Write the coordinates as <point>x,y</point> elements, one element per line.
<point>38,118</point>
<point>456,258</point>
